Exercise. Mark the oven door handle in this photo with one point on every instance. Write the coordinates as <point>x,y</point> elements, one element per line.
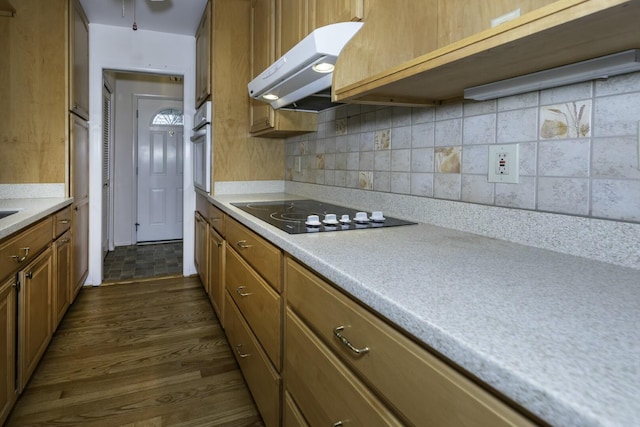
<point>198,135</point>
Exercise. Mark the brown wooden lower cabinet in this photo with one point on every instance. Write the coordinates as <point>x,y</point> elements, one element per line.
<point>291,416</point>
<point>8,393</point>
<point>216,273</point>
<point>62,283</point>
<point>263,380</point>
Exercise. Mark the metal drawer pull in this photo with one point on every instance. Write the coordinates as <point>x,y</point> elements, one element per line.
<point>19,258</point>
<point>64,221</point>
<point>242,294</point>
<point>240,353</point>
<point>29,275</point>
<point>337,424</point>
<point>64,240</point>
<point>337,332</point>
<point>214,219</point>
<point>243,244</point>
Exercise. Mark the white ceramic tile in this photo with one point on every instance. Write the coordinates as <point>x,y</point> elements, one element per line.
<point>383,118</point>
<point>401,137</point>
<point>341,161</point>
<point>517,102</point>
<point>564,158</point>
<point>382,181</point>
<point>330,161</point>
<point>447,186</point>
<point>353,124</point>
<point>422,184</point>
<point>564,195</point>
<point>472,108</point>
<point>449,111</point>
<point>342,143</point>
<point>615,158</point>
<point>422,160</point>
<point>382,160</point>
<point>320,146</point>
<point>569,93</point>
<point>476,189</point>
<point>528,158</point>
<point>319,177</point>
<point>616,199</point>
<point>353,161</point>
<point>423,135</point>
<point>400,116</point>
<point>449,132</point>
<point>475,159</point>
<point>521,195</point>
<point>366,160</point>
<point>330,145</point>
<point>479,129</point>
<point>368,121</point>
<point>422,115</point>
<point>352,179</point>
<point>367,141</point>
<point>400,161</point>
<point>517,126</point>
<point>340,178</point>
<point>353,109</point>
<point>616,115</point>
<point>329,177</point>
<point>618,84</point>
<point>353,142</point>
<point>400,182</point>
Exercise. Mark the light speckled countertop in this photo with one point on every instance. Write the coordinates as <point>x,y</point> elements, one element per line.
<point>558,334</point>
<point>30,211</point>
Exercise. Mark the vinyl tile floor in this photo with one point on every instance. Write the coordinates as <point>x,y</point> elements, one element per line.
<point>143,261</point>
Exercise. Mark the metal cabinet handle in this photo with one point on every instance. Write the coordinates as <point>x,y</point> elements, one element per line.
<point>338,333</point>
<point>29,275</point>
<point>219,244</point>
<point>64,221</point>
<point>19,258</point>
<point>242,294</point>
<point>337,424</point>
<point>214,219</point>
<point>242,244</point>
<point>64,240</point>
<point>240,353</point>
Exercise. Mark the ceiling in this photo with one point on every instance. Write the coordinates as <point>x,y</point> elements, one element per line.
<point>167,16</point>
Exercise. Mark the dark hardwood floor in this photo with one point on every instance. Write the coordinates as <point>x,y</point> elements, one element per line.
<point>145,354</point>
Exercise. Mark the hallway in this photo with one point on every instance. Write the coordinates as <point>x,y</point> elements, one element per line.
<point>145,354</point>
<point>136,262</point>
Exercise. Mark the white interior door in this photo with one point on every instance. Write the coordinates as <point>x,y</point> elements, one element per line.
<point>160,170</point>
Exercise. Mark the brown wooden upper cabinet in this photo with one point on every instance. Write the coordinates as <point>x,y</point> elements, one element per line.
<point>325,12</point>
<point>79,61</point>
<point>203,57</point>
<point>263,25</point>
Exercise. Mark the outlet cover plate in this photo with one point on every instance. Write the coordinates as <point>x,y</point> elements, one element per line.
<point>504,163</point>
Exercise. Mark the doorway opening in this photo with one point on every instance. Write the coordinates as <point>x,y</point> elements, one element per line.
<point>143,166</point>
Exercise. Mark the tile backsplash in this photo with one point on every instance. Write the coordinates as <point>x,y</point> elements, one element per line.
<point>578,150</point>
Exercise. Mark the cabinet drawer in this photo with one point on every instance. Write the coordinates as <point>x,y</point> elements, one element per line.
<point>324,389</point>
<point>262,255</point>
<point>23,247</point>
<point>61,221</point>
<point>216,219</point>
<point>263,381</point>
<point>260,305</point>
<point>419,385</point>
<point>292,417</point>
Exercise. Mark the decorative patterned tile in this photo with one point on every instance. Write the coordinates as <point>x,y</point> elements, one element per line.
<point>341,126</point>
<point>382,140</point>
<point>447,159</point>
<point>319,161</point>
<point>570,120</point>
<point>365,180</point>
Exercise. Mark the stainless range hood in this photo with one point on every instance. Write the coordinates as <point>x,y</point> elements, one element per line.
<point>301,77</point>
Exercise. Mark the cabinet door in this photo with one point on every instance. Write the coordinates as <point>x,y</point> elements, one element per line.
<point>458,19</point>
<point>8,352</point>
<point>200,250</point>
<point>34,311</point>
<point>80,239</point>
<point>62,282</point>
<point>327,12</point>
<point>262,55</point>
<point>79,141</point>
<point>203,57</point>
<point>292,24</point>
<point>216,272</point>
<point>79,60</point>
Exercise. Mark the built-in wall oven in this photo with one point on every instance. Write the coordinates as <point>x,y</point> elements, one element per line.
<point>201,143</point>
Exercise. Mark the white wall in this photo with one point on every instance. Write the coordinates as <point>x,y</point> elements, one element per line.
<point>127,87</point>
<point>115,48</point>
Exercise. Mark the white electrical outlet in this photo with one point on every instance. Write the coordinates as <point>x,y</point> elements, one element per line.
<point>504,163</point>
<point>298,164</point>
<point>505,18</point>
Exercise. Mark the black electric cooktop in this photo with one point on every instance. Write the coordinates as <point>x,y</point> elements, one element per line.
<point>292,216</point>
